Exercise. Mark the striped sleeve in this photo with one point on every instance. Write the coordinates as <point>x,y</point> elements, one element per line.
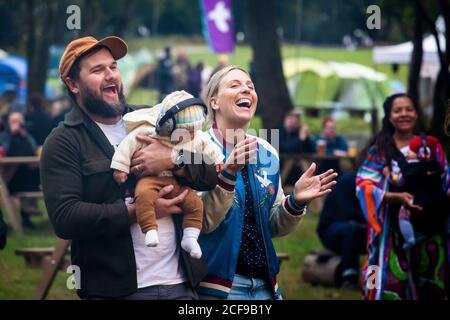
<point>291,206</point>
<point>370,189</point>
<point>227,181</point>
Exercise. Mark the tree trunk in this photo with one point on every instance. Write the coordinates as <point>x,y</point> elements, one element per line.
<point>416,62</point>
<point>124,17</point>
<point>91,17</point>
<point>442,92</point>
<point>441,89</point>
<point>31,44</point>
<point>39,41</point>
<point>273,95</point>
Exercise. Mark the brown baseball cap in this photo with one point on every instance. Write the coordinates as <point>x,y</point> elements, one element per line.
<point>77,47</point>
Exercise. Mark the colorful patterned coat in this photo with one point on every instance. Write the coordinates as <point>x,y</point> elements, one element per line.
<point>391,272</point>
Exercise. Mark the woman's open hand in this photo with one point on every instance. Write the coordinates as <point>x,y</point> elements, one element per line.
<point>310,187</point>
<point>243,153</point>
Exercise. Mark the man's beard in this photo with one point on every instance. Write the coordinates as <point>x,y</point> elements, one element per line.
<point>96,105</point>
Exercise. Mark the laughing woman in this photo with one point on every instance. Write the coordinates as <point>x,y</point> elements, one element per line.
<point>241,259</point>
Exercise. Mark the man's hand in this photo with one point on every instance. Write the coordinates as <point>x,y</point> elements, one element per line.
<point>152,159</point>
<point>309,187</point>
<point>165,207</point>
<point>303,132</point>
<point>243,153</point>
<point>219,167</point>
<point>120,177</point>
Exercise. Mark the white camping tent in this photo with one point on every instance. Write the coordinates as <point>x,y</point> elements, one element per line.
<point>401,53</point>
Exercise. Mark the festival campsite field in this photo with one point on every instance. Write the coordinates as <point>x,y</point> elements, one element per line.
<point>19,282</point>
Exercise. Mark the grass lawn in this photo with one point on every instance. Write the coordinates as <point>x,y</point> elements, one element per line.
<point>298,244</point>
<point>16,280</point>
<point>19,282</point>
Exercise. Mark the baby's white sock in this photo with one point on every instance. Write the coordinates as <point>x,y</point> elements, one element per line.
<point>189,242</point>
<point>151,238</point>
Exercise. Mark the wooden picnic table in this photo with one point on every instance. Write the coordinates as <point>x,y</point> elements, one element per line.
<point>8,166</point>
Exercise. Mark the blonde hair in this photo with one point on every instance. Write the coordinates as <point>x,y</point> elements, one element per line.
<point>212,88</point>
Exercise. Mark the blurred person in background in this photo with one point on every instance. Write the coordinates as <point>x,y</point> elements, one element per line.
<point>195,80</point>
<point>335,144</point>
<point>17,142</point>
<point>9,103</point>
<point>342,229</point>
<point>165,79</point>
<point>38,121</point>
<point>180,71</point>
<point>294,138</point>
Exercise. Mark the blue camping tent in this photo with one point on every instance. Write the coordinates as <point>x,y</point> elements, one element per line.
<point>13,73</point>
<point>13,76</point>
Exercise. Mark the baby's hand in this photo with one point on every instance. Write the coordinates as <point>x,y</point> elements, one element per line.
<point>219,167</point>
<point>120,176</point>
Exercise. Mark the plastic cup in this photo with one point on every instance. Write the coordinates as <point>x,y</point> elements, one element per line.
<point>321,147</point>
<point>352,150</point>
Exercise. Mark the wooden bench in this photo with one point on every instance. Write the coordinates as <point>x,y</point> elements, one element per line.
<point>20,197</point>
<point>29,195</point>
<point>36,258</point>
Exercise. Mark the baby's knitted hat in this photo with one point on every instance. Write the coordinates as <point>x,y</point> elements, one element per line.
<point>190,118</point>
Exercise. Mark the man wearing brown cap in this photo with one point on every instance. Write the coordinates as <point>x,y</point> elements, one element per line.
<point>84,203</point>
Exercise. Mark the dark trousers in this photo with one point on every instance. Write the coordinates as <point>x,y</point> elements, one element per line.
<point>347,239</point>
<point>181,291</point>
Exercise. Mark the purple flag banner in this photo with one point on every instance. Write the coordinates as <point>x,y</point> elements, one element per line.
<point>218,25</point>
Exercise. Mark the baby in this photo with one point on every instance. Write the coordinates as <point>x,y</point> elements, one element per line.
<point>418,151</point>
<point>182,131</point>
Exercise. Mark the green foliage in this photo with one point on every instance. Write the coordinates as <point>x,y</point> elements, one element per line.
<point>140,96</point>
